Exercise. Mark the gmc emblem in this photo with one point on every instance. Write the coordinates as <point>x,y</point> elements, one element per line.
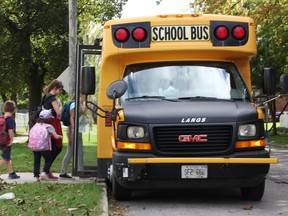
<point>191,138</point>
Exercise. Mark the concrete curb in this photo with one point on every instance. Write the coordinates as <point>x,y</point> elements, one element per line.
<point>104,200</point>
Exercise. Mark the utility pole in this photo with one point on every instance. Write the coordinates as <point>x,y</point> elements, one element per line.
<point>72,45</point>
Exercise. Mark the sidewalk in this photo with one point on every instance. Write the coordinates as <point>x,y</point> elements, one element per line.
<point>29,178</point>
<point>20,138</point>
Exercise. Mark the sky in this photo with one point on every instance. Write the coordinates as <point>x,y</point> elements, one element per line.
<point>134,8</point>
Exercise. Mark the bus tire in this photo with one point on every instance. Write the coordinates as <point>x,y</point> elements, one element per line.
<point>253,193</point>
<point>119,192</point>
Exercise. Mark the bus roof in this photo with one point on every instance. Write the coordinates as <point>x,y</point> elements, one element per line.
<point>179,16</point>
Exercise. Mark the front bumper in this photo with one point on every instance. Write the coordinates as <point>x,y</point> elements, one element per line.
<point>146,171</point>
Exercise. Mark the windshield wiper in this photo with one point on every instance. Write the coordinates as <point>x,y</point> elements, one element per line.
<point>202,97</point>
<point>196,97</point>
<point>149,97</point>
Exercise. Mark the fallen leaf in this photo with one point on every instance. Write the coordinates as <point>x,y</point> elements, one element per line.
<point>19,201</point>
<point>81,206</point>
<point>40,210</point>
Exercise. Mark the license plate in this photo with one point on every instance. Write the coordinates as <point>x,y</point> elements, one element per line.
<point>194,171</point>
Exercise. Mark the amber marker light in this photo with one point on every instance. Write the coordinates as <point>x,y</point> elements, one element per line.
<point>134,146</point>
<point>250,144</point>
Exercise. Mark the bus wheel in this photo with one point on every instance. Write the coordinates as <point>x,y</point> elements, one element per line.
<point>253,193</point>
<point>119,192</point>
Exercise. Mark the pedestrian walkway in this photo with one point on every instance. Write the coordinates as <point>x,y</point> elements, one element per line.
<point>29,178</point>
<point>20,138</point>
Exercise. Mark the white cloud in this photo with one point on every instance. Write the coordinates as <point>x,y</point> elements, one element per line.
<point>136,8</point>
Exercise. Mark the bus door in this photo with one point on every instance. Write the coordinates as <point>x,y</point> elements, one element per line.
<point>85,130</point>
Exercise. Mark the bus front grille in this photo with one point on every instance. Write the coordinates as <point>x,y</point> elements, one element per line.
<point>219,139</point>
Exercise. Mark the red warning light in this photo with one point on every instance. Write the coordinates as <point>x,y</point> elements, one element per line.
<point>221,32</point>
<point>139,34</point>
<point>121,34</point>
<point>239,32</point>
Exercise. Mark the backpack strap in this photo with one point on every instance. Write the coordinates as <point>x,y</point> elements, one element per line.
<point>49,139</point>
<point>8,136</point>
<point>44,99</point>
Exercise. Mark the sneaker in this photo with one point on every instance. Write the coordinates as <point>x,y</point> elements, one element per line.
<point>13,176</point>
<point>44,176</point>
<point>51,176</point>
<point>66,176</point>
<point>37,179</point>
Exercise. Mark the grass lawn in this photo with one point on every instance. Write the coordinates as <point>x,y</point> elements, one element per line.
<point>282,135</point>
<point>280,139</point>
<point>49,199</point>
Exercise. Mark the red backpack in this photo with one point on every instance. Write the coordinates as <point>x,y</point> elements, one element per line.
<point>4,136</point>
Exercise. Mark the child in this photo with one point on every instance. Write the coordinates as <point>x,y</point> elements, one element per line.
<point>45,117</point>
<point>9,109</point>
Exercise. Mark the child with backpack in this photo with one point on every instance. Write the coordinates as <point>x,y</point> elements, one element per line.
<point>40,142</point>
<point>7,128</point>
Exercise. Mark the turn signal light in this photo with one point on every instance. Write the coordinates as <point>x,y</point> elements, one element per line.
<point>250,144</point>
<point>134,146</point>
<point>121,34</point>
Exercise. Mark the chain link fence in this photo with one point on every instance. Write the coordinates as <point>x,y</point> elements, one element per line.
<point>21,120</point>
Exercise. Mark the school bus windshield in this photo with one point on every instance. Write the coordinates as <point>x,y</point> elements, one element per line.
<point>184,80</point>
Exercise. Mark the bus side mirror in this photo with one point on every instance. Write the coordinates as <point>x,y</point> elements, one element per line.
<point>116,89</point>
<point>284,81</point>
<point>269,81</point>
<point>88,80</point>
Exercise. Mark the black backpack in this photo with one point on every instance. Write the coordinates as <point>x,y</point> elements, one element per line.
<point>34,115</point>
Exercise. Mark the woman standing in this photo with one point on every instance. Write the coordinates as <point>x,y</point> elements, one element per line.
<point>70,135</point>
<point>51,91</point>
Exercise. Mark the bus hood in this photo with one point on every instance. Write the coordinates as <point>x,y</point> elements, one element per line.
<point>185,112</point>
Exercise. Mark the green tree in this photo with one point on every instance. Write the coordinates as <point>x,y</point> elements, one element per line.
<point>34,41</point>
<point>35,38</point>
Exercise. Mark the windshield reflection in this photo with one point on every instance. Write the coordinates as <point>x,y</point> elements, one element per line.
<point>182,80</point>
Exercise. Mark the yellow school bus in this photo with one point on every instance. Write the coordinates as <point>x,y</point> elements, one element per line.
<point>174,104</point>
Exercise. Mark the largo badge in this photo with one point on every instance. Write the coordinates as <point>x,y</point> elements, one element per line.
<point>193,138</point>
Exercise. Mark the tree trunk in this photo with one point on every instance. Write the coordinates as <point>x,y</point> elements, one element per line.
<point>72,45</point>
<point>35,87</point>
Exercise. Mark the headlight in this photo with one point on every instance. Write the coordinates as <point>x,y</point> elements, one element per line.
<point>248,130</point>
<point>135,132</point>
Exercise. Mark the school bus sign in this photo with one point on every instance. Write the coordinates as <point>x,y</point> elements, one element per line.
<point>180,33</point>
